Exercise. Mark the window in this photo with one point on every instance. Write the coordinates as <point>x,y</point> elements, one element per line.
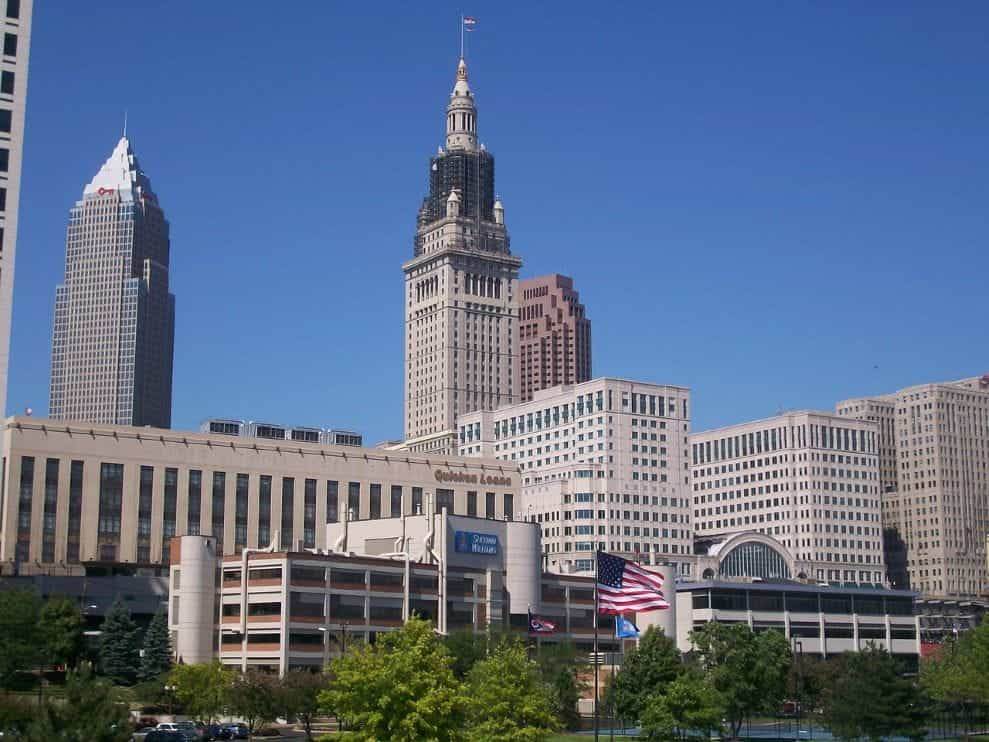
<point>332,501</point>
<point>144,500</point>
<point>264,511</point>
<point>396,501</point>
<point>489,504</point>
<point>13,8</point>
<point>309,515</point>
<point>472,504</point>
<point>75,511</point>
<point>219,505</point>
<point>111,498</point>
<point>168,506</point>
<point>10,45</point>
<point>6,116</point>
<point>7,82</point>
<point>195,502</point>
<point>51,504</point>
<point>444,499</point>
<point>240,523</point>
<point>288,507</point>
<point>375,502</point>
<point>353,501</point>
<point>509,506</point>
<point>417,500</point>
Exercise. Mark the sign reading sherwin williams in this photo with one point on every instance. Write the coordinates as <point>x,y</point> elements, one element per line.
<point>466,542</point>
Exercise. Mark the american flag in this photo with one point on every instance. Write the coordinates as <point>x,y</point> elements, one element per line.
<point>539,625</point>
<point>625,587</point>
<point>469,23</point>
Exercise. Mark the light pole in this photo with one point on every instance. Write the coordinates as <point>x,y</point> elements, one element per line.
<point>799,646</point>
<point>170,690</point>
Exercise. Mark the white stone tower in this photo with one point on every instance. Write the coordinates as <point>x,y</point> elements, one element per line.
<point>461,310</point>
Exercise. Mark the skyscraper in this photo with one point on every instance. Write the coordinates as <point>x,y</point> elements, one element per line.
<point>114,317</point>
<point>461,285</point>
<point>935,476</point>
<point>554,335</point>
<point>13,95</point>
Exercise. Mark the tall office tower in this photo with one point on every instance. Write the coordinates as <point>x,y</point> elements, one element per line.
<point>808,479</point>
<point>603,465</point>
<point>114,318</point>
<point>461,285</point>
<point>936,501</point>
<point>554,335</point>
<point>13,95</point>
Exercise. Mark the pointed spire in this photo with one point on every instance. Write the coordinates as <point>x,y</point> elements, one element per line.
<point>121,173</point>
<point>461,113</point>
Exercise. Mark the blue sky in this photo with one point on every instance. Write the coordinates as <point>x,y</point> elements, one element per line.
<point>778,205</point>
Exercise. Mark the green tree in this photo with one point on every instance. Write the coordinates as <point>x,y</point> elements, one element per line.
<point>299,697</point>
<point>89,712</point>
<point>689,704</point>
<point>647,669</point>
<point>867,697</point>
<point>19,647</point>
<point>508,699</point>
<point>957,675</point>
<point>748,669</point>
<point>559,665</point>
<point>157,657</point>
<point>119,656</point>
<point>253,696</point>
<point>61,628</point>
<point>400,689</point>
<point>202,688</point>
<point>467,648</point>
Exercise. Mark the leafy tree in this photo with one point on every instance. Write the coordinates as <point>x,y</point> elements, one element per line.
<point>252,697</point>
<point>749,669</point>
<point>19,647</point>
<point>16,713</point>
<point>958,675</point>
<point>508,699</point>
<point>400,689</point>
<point>119,657</point>
<point>647,669</point>
<point>61,629</point>
<point>867,697</point>
<point>202,688</point>
<point>559,666</point>
<point>90,713</point>
<point>157,658</point>
<point>467,648</point>
<point>299,697</point>
<point>689,703</point>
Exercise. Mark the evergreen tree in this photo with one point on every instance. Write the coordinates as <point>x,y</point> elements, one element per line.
<point>157,657</point>
<point>19,648</point>
<point>119,657</point>
<point>61,632</point>
<point>88,713</point>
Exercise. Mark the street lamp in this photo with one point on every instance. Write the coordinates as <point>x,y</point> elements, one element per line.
<point>799,647</point>
<point>170,690</point>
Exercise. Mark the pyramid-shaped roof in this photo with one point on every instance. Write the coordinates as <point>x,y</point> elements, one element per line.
<point>122,173</point>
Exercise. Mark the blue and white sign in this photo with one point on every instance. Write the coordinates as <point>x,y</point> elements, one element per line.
<point>466,542</point>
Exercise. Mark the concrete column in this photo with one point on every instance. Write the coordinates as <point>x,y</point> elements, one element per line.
<point>196,595</point>
<point>665,619</point>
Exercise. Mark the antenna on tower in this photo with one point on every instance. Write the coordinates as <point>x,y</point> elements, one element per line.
<point>125,123</point>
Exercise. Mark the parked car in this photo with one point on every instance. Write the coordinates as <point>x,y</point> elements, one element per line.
<point>141,733</point>
<point>164,735</point>
<point>217,731</point>
<point>237,731</point>
<point>186,728</point>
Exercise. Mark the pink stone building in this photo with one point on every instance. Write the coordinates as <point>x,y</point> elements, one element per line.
<point>554,335</point>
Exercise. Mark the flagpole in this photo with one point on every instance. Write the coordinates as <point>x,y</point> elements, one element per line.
<point>597,656</point>
<point>461,37</point>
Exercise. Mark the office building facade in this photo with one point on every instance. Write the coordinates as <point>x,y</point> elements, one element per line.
<point>936,498</point>
<point>554,335</point>
<point>603,466</point>
<point>114,329</point>
<point>13,99</point>
<point>808,479</point>
<point>76,495</point>
<point>461,285</point>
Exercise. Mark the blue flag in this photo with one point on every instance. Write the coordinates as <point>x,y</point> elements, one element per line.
<point>625,629</point>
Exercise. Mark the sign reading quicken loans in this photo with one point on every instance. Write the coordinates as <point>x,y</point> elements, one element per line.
<point>466,542</point>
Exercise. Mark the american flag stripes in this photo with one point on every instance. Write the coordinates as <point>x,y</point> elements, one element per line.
<point>625,587</point>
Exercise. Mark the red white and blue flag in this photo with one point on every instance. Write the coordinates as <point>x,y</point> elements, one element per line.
<point>469,23</point>
<point>539,625</point>
<point>625,587</point>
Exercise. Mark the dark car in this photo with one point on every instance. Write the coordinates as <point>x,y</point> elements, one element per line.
<point>162,735</point>
<point>238,731</point>
<point>216,731</point>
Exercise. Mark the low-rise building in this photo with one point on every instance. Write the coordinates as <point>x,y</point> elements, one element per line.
<point>80,495</point>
